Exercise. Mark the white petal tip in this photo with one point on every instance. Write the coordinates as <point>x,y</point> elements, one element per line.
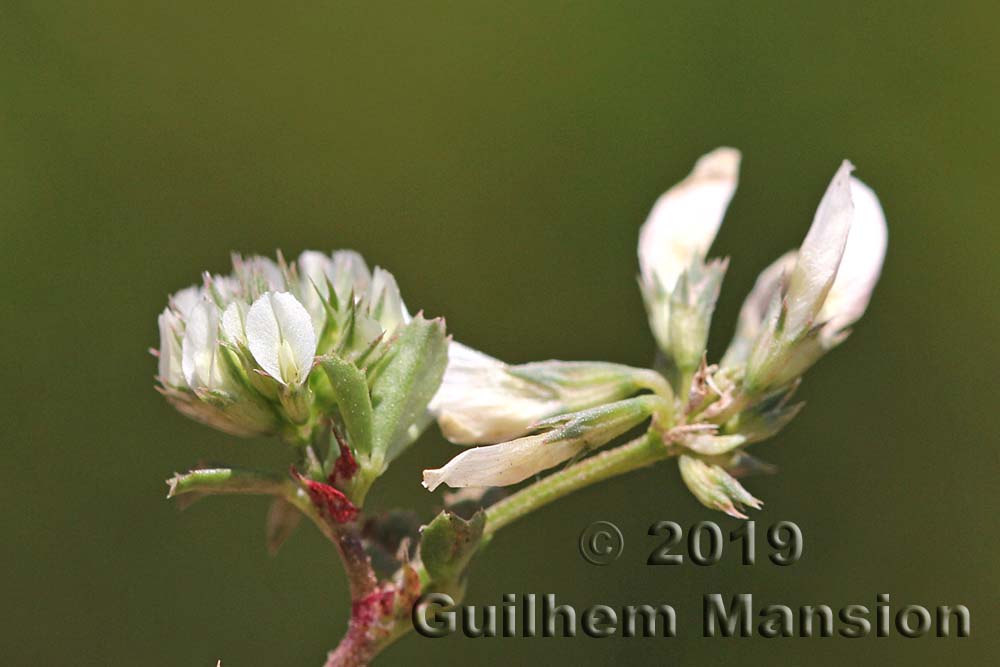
<point>722,163</point>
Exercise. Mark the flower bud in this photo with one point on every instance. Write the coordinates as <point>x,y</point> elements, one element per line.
<point>514,461</point>
<point>483,400</point>
<point>714,487</point>
<point>860,266</point>
<point>813,298</point>
<point>819,257</point>
<point>675,238</point>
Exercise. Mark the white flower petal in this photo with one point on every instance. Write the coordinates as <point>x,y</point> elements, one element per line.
<point>315,268</point>
<point>861,265</point>
<point>198,349</point>
<point>386,303</point>
<point>281,337</point>
<point>479,401</point>
<point>232,323</point>
<point>684,221</point>
<point>186,299</point>
<point>169,363</point>
<point>503,464</point>
<point>821,252</point>
<point>349,274</point>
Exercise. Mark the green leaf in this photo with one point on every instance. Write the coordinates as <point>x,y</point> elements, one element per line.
<point>404,383</point>
<point>447,543</point>
<point>350,391</point>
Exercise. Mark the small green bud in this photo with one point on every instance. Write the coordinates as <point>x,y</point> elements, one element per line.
<point>714,487</point>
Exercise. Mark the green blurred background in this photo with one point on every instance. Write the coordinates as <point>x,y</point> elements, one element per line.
<point>499,161</point>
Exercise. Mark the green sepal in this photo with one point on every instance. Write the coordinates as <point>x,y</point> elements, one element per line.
<point>596,426</point>
<point>350,392</point>
<point>405,381</point>
<point>447,543</point>
<point>691,306</point>
<point>767,416</point>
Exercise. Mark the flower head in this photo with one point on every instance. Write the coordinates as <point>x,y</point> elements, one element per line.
<point>237,352</point>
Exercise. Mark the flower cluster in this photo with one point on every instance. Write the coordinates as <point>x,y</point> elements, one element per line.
<point>237,352</point>
<point>321,352</point>
<point>546,413</point>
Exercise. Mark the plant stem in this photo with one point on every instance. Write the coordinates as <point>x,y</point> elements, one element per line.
<point>368,634</point>
<point>643,451</point>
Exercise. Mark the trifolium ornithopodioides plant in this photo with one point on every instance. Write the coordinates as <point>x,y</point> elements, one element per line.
<point>323,354</point>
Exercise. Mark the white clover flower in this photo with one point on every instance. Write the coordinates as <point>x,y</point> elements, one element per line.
<point>237,351</point>
<point>345,270</point>
<point>169,368</point>
<point>483,400</point>
<point>281,338</point>
<point>803,303</point>
<point>480,402</point>
<point>860,266</point>
<point>503,464</point>
<point>678,287</point>
<point>565,437</point>
<point>201,360</point>
<point>684,221</point>
<point>820,254</point>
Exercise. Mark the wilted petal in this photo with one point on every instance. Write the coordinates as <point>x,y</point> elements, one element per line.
<point>684,221</point>
<point>861,265</point>
<point>281,338</point>
<point>503,464</point>
<point>821,253</point>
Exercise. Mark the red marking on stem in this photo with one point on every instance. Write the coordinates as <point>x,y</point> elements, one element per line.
<point>346,466</point>
<point>369,608</point>
<point>331,503</point>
